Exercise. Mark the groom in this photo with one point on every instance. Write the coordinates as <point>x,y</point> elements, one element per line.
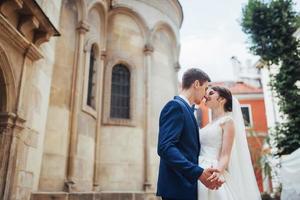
<point>179,145</point>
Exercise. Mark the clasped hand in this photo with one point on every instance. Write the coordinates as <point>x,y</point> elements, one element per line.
<point>211,178</point>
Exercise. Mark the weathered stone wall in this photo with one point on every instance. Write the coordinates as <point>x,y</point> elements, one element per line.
<point>121,147</point>
<point>27,83</point>
<point>63,145</point>
<point>55,152</point>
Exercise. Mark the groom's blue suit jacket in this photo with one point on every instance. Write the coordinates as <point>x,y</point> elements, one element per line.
<point>178,148</point>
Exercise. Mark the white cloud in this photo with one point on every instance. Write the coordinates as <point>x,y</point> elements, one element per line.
<point>211,35</point>
<point>212,54</point>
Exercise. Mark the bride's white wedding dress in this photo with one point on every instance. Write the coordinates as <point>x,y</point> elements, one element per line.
<point>211,144</point>
<point>240,182</point>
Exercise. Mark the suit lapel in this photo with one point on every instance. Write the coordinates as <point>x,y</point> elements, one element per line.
<point>190,111</point>
<point>193,117</point>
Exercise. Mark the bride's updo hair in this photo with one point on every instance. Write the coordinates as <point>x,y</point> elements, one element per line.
<point>226,94</point>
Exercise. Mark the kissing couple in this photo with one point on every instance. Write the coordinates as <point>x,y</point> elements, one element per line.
<point>211,163</point>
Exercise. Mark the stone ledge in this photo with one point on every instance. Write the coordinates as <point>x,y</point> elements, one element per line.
<point>49,196</point>
<point>93,196</point>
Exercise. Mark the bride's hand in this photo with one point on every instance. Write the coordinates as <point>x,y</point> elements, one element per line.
<point>216,179</point>
<point>215,176</point>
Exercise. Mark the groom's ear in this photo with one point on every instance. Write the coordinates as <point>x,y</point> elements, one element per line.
<point>197,83</point>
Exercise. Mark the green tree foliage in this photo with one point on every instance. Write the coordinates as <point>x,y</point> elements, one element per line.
<point>270,26</point>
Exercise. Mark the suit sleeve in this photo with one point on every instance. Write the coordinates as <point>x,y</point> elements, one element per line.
<point>171,124</point>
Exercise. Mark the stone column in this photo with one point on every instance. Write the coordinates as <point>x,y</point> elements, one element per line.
<point>148,50</point>
<point>6,124</point>
<point>98,128</point>
<point>11,127</point>
<point>75,102</point>
<point>14,124</point>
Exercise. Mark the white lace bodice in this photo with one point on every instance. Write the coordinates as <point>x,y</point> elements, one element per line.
<point>211,138</point>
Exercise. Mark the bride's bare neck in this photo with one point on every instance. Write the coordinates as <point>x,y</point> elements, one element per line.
<point>217,113</point>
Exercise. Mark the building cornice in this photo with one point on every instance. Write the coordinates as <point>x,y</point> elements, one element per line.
<point>18,40</point>
<point>24,24</point>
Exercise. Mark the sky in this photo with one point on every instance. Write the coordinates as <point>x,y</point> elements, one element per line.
<point>211,34</point>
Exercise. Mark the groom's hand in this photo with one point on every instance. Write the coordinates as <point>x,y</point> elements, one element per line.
<point>216,180</point>
<point>204,178</point>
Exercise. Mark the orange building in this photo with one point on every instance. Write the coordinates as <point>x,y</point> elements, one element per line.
<point>253,109</point>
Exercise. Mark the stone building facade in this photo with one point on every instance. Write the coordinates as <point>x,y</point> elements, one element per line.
<point>82,83</point>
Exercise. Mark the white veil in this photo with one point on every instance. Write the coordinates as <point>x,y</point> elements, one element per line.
<point>240,165</point>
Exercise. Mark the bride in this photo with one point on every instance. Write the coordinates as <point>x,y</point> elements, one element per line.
<point>224,146</point>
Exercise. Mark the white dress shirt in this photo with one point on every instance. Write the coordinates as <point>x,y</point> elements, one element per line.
<point>185,99</point>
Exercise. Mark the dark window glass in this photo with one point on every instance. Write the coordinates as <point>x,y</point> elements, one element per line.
<point>92,81</point>
<point>120,92</point>
<point>246,116</point>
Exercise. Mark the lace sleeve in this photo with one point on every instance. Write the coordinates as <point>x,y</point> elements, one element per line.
<point>225,119</point>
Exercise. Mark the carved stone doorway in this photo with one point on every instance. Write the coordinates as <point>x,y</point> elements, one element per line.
<point>5,136</point>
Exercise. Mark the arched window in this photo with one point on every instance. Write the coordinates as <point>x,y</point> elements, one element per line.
<point>92,79</point>
<point>120,92</point>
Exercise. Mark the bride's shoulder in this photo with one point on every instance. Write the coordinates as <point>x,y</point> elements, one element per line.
<point>227,119</point>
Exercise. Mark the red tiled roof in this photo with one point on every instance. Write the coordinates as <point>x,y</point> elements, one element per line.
<point>238,87</point>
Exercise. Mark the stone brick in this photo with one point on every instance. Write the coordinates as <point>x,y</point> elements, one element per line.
<point>81,196</point>
<point>110,196</point>
<point>49,196</point>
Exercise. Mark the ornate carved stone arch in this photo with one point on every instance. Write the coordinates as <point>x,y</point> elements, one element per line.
<point>163,26</point>
<point>140,21</point>
<point>8,119</point>
<point>92,41</point>
<point>101,8</point>
<point>8,81</point>
<point>171,34</point>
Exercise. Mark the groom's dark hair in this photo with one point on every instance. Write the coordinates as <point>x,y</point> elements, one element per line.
<point>193,74</point>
